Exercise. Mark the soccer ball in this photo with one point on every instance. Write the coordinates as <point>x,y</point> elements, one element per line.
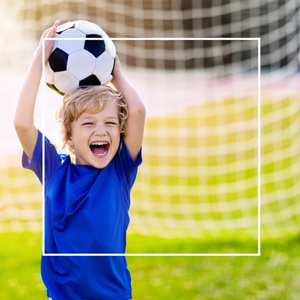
<point>76,63</point>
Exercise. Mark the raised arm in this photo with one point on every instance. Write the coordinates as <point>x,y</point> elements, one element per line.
<point>136,112</point>
<point>24,122</point>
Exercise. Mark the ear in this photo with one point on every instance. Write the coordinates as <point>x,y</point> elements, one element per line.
<point>70,142</point>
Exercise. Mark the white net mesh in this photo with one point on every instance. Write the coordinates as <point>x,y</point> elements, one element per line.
<point>200,151</point>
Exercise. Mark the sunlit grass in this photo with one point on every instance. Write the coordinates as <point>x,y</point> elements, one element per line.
<point>274,275</point>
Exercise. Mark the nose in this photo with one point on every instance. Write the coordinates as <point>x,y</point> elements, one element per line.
<point>100,131</point>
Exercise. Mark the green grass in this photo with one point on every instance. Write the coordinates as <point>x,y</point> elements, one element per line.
<point>273,275</point>
<point>219,243</point>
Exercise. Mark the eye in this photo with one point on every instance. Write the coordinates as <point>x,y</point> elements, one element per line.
<point>87,123</point>
<point>111,123</point>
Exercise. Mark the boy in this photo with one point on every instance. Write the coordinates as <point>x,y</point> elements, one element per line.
<point>86,202</point>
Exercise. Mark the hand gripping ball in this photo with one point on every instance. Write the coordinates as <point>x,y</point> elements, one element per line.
<point>80,62</point>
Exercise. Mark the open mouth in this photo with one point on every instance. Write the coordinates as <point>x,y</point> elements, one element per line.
<point>99,148</point>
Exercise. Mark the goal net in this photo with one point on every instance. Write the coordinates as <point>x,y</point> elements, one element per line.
<point>198,76</point>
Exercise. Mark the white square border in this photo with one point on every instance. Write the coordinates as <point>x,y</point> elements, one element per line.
<point>155,254</point>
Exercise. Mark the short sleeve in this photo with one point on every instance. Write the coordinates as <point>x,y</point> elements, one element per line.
<point>126,166</point>
<point>52,159</point>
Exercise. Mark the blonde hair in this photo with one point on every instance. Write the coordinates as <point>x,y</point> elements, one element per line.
<point>91,100</point>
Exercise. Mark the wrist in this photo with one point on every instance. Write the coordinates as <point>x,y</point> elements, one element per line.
<point>36,61</point>
<point>117,76</point>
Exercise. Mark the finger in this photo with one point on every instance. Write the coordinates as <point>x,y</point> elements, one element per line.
<point>50,30</point>
<point>56,23</point>
<point>45,33</point>
<point>52,33</point>
<point>49,34</point>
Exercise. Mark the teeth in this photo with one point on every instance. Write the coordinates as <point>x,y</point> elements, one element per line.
<point>99,144</point>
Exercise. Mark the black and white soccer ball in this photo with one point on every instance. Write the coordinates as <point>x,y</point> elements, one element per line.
<point>80,62</point>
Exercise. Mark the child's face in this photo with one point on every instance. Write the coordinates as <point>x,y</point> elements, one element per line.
<point>95,137</point>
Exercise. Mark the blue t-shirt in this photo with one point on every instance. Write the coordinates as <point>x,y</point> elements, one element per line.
<point>86,212</point>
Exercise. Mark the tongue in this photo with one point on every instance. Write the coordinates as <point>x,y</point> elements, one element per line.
<point>100,150</point>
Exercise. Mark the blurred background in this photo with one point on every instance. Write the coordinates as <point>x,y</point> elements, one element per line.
<point>197,189</point>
